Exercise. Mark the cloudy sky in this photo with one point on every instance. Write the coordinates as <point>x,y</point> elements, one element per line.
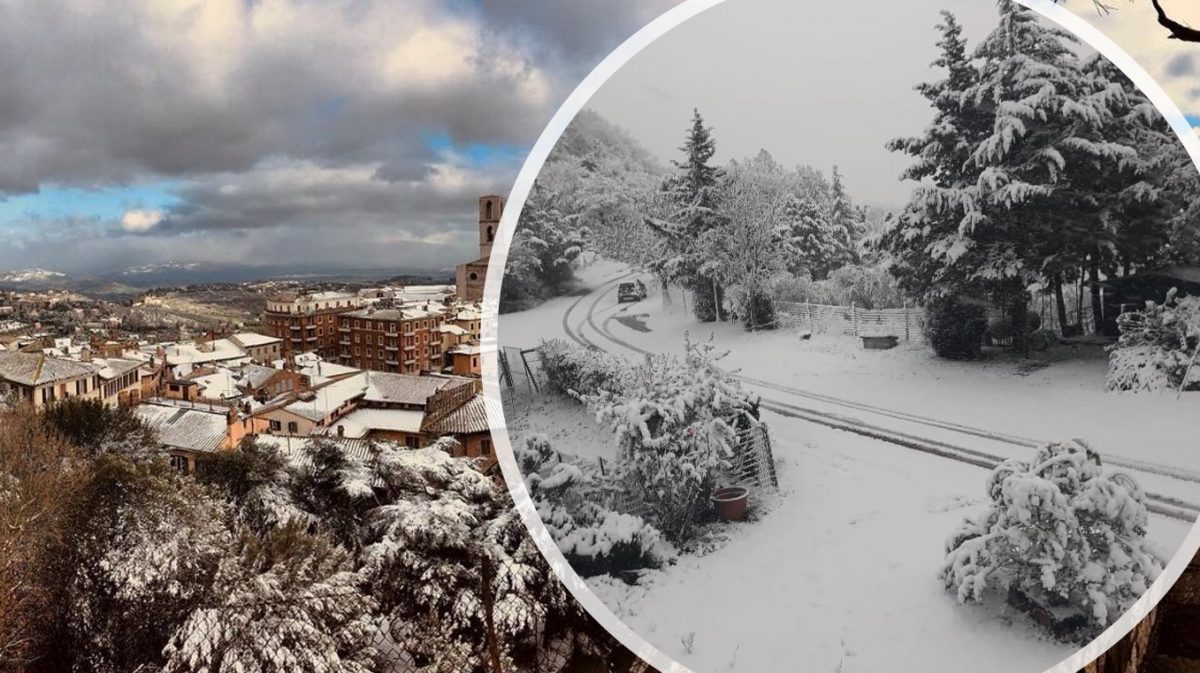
<point>353,132</point>
<point>359,132</point>
<point>812,83</point>
<point>1132,24</point>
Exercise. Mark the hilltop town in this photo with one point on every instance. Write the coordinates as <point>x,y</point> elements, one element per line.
<point>205,367</point>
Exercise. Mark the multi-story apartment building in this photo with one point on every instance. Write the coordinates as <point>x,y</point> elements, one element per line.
<point>308,322</point>
<point>402,340</point>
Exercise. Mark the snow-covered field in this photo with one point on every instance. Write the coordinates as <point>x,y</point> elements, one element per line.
<point>839,573</point>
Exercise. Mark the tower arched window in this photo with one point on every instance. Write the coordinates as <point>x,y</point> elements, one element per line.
<point>491,233</point>
<point>487,207</point>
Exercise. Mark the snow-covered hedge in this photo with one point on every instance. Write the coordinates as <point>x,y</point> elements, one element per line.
<point>1156,347</point>
<point>676,423</point>
<point>1061,531</point>
<point>572,499</point>
<point>573,370</point>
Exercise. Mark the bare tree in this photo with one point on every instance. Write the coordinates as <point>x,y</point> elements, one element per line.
<point>1178,30</point>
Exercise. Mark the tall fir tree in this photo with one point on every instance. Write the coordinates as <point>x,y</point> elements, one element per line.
<point>844,228</point>
<point>692,193</point>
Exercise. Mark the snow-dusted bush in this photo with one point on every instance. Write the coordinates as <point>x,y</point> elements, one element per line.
<point>676,423</point>
<point>1156,347</point>
<point>1062,532</point>
<point>574,370</point>
<point>574,501</point>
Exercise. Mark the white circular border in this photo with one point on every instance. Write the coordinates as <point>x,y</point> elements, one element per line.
<point>516,201</point>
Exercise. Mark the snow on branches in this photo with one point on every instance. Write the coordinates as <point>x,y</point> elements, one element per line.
<point>1061,531</point>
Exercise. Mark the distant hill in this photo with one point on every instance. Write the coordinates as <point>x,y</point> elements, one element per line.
<point>134,280</point>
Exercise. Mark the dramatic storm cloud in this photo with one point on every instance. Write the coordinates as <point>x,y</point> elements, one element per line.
<point>347,132</point>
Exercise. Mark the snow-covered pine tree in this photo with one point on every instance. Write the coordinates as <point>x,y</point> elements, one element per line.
<point>1000,219</point>
<point>844,227</point>
<point>807,247</point>
<point>692,195</point>
<point>940,158</point>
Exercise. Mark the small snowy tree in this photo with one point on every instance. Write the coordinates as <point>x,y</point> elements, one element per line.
<point>693,199</point>
<point>1062,532</point>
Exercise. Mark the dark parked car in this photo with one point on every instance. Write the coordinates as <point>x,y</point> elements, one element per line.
<point>635,291</point>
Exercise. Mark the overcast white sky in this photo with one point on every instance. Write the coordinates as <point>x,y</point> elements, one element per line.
<point>813,83</point>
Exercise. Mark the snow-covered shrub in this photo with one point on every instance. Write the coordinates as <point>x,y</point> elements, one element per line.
<point>1062,532</point>
<point>1156,347</point>
<point>573,500</point>
<point>955,328</point>
<point>574,370</point>
<point>289,602</point>
<point>676,423</point>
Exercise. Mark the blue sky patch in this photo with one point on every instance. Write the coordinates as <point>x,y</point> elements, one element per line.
<point>105,203</point>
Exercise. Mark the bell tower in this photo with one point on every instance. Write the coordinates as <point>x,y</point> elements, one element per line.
<point>491,207</point>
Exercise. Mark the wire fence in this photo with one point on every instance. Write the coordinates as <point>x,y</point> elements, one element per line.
<point>906,323</point>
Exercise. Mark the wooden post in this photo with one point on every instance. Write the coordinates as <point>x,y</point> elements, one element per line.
<point>489,602</point>
<point>854,317</point>
<point>906,337</point>
<point>1188,372</point>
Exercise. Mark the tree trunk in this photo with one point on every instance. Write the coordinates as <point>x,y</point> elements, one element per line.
<point>1060,304</point>
<point>1097,305</point>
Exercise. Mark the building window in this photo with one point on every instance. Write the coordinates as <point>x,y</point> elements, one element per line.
<point>179,463</point>
<point>293,428</point>
<point>485,447</point>
<point>412,442</point>
<point>276,426</point>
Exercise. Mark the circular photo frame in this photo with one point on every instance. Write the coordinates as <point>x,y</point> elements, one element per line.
<point>493,372</point>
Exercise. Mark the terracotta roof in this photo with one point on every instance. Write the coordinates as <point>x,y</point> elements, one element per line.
<point>407,388</point>
<point>33,369</point>
<point>198,430</point>
<point>468,419</point>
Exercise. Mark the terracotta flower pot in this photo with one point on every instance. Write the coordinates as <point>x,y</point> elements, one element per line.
<point>731,503</point>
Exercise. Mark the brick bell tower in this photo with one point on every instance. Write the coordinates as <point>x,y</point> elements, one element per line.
<point>491,207</point>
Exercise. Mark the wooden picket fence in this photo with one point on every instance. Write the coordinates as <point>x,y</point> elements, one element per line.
<point>906,323</point>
